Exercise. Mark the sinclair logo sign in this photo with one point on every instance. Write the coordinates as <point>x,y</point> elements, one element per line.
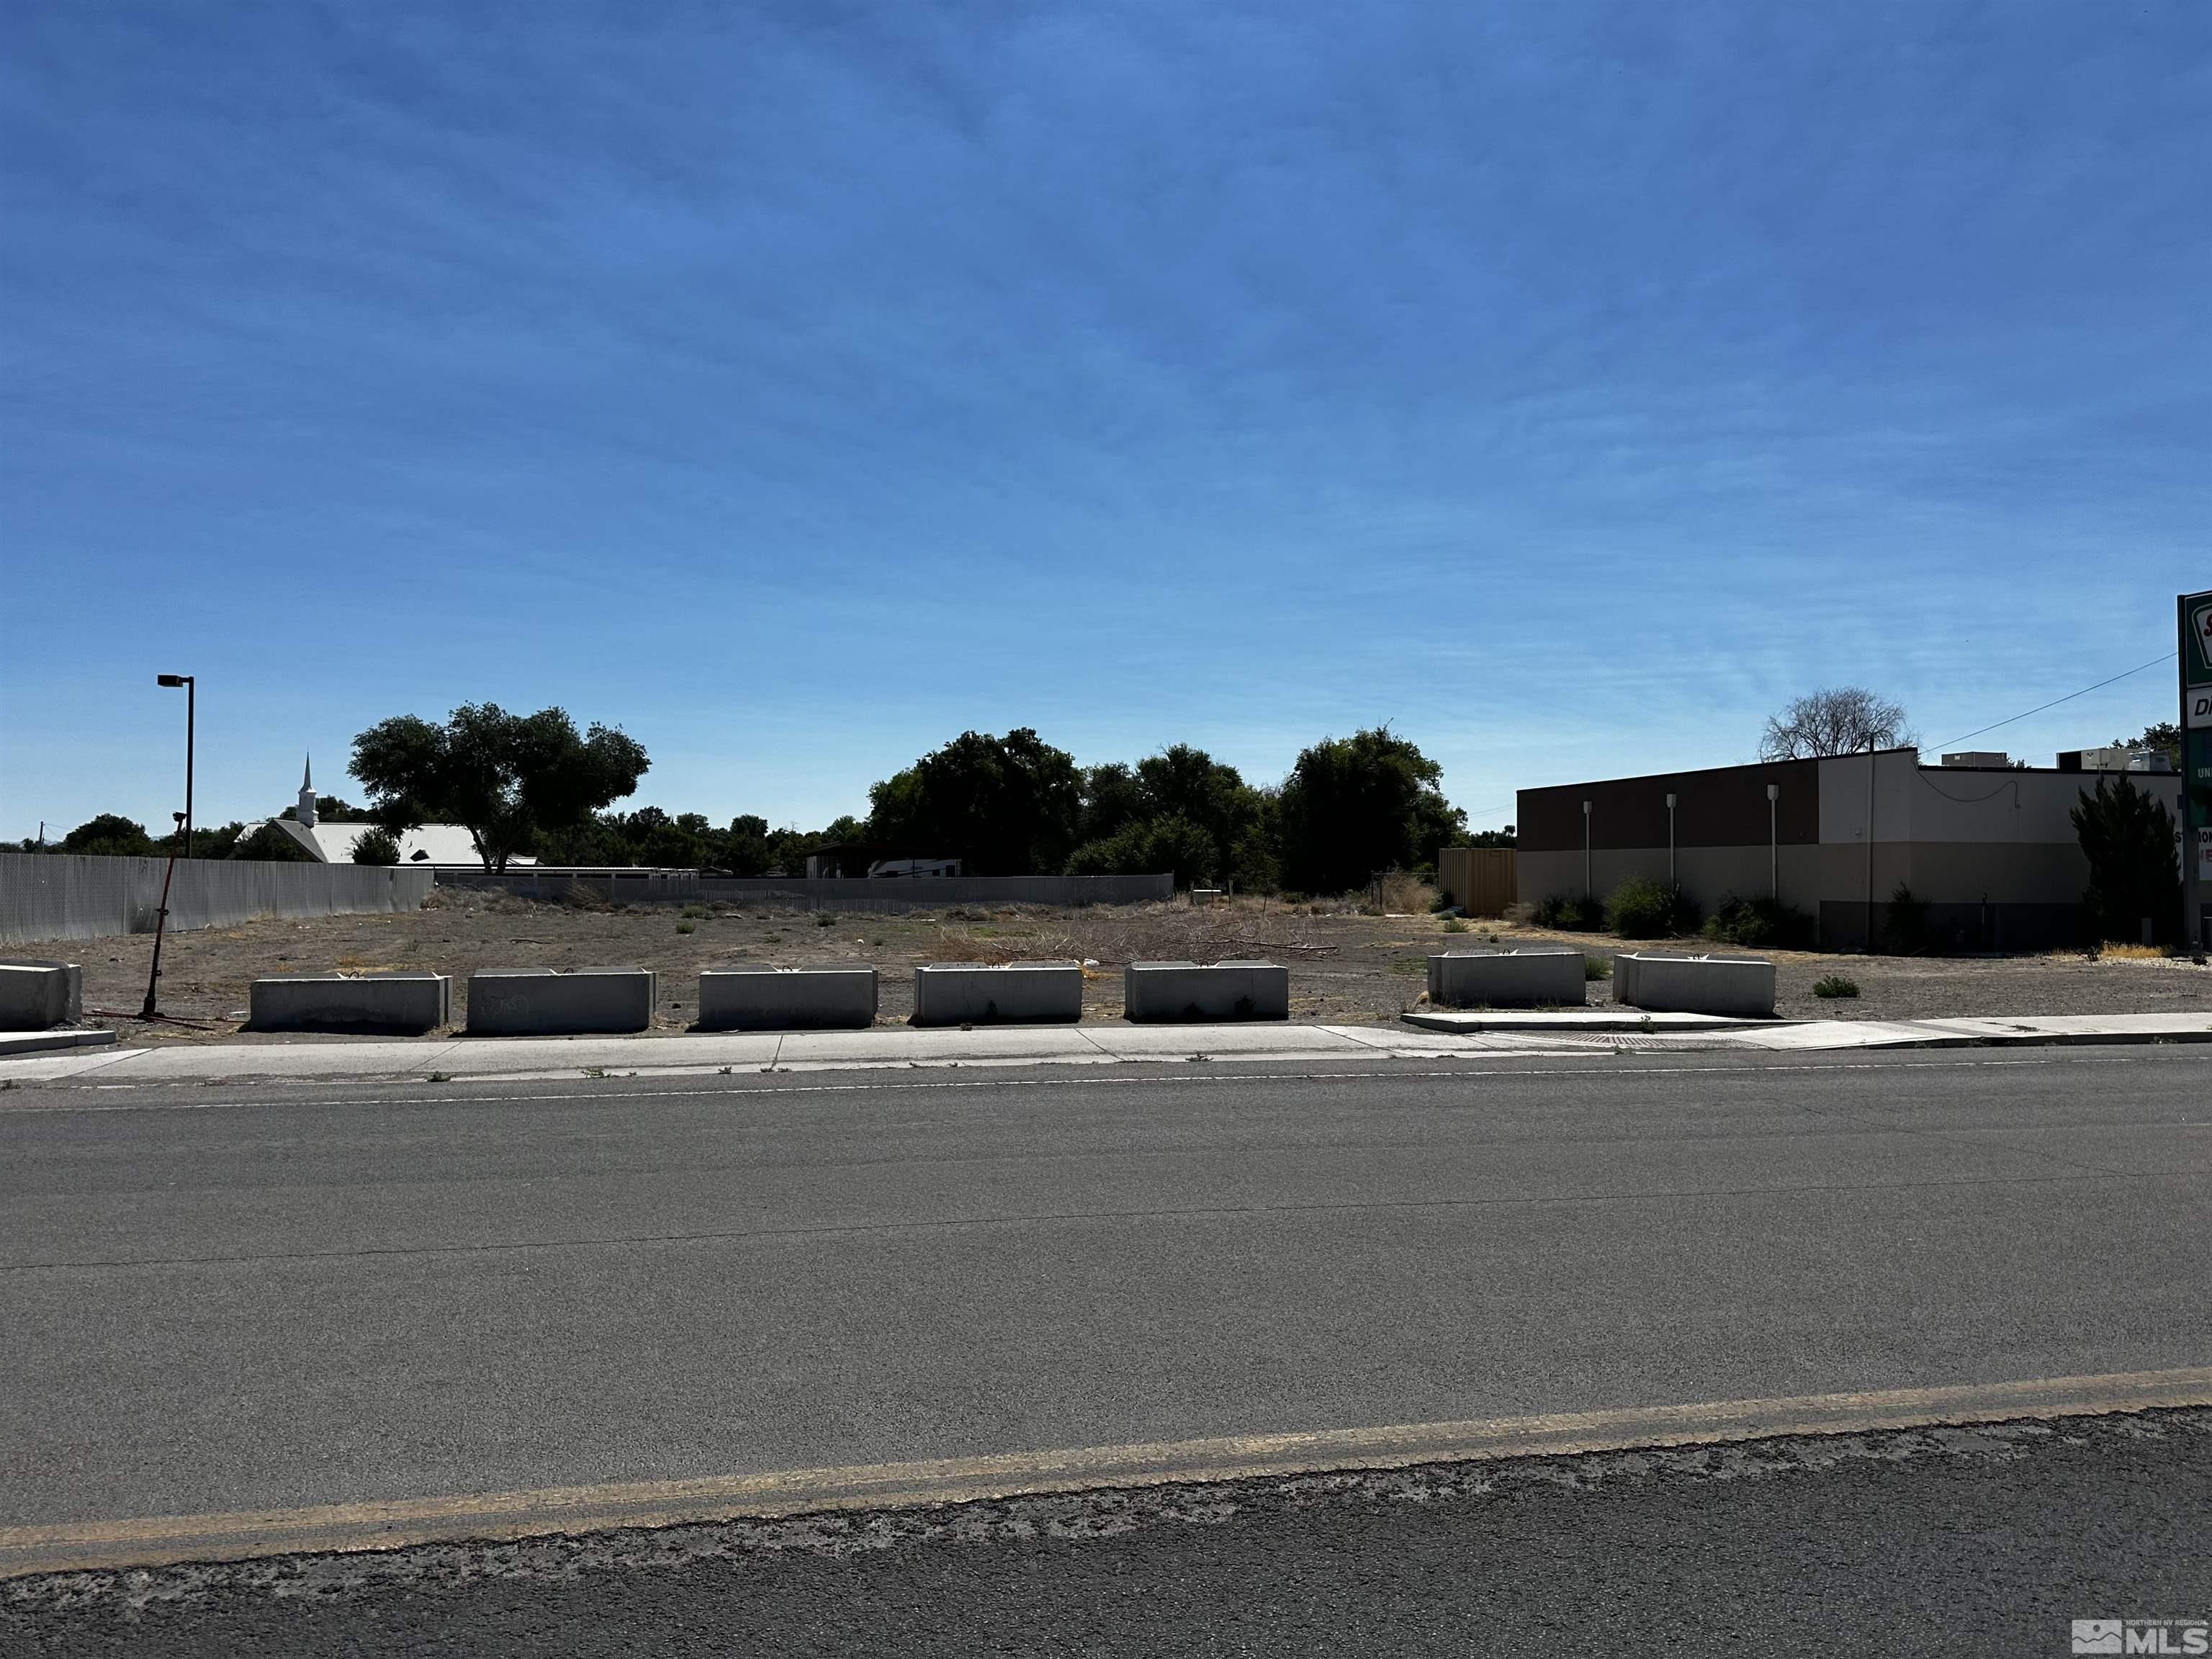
<point>2196,660</point>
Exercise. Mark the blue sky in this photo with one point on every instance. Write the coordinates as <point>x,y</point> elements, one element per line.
<point>796,386</point>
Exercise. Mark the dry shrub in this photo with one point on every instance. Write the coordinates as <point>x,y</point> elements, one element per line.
<point>958,945</point>
<point>1156,932</point>
<point>1405,896</point>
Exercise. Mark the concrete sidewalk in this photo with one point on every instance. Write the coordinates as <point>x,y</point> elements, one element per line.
<point>1607,1018</point>
<point>373,1061</point>
<point>1567,1031</point>
<point>2043,1032</point>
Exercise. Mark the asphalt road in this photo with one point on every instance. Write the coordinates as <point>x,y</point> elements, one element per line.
<point>1966,1542</point>
<point>220,1300</point>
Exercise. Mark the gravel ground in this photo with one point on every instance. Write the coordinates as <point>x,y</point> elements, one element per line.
<point>1347,968</point>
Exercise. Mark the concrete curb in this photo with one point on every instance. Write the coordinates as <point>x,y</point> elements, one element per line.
<point>34,1042</point>
<point>462,1060</point>
<point>380,1525</point>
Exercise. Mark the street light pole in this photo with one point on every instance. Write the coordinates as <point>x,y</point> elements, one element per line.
<point>1671,881</point>
<point>152,1011</point>
<point>191,700</point>
<point>1586,850</point>
<point>183,832</point>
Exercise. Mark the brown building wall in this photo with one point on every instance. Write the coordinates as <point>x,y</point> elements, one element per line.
<point>1718,806</point>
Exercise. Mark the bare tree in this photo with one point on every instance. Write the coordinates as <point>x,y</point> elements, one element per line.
<point>1843,719</point>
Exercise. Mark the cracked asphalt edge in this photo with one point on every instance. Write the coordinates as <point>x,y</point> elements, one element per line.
<point>1091,1514</point>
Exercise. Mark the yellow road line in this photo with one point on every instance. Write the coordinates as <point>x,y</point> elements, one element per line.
<point>159,1540</point>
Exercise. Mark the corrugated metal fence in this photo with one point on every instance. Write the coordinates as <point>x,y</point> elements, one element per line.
<point>77,896</point>
<point>887,894</point>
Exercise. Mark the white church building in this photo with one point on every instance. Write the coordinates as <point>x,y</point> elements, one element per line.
<point>441,846</point>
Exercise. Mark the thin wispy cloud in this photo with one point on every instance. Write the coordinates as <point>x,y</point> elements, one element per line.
<point>1569,385</point>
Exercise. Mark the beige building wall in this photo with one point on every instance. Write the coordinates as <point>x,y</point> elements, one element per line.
<point>1708,874</point>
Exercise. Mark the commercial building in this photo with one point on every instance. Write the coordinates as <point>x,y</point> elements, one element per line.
<point>1988,847</point>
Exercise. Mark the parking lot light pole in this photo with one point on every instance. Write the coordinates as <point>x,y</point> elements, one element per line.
<point>1870,850</point>
<point>1586,846</point>
<point>1671,881</point>
<point>1773,843</point>
<point>192,697</point>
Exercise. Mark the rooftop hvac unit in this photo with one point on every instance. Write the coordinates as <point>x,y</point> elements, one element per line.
<point>2114,758</point>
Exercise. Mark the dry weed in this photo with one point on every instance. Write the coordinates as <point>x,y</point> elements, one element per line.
<point>1402,895</point>
<point>1161,933</point>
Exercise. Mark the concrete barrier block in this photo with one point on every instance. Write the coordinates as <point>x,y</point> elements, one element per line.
<point>762,999</point>
<point>1525,977</point>
<point>1165,991</point>
<point>35,993</point>
<point>409,1003</point>
<point>1694,985</point>
<point>966,993</point>
<point>549,1002</point>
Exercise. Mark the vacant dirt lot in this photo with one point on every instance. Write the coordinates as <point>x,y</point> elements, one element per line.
<point>1345,968</point>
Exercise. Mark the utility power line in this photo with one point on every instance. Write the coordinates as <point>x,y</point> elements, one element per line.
<point>2055,701</point>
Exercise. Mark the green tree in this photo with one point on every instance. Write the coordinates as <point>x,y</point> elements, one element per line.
<point>1004,807</point>
<point>1171,844</point>
<point>507,778</point>
<point>375,845</point>
<point>598,839</point>
<point>268,845</point>
<point>1182,781</point>
<point>218,841</point>
<point>650,836</point>
<point>1179,811</point>
<point>788,849</point>
<point>1112,801</point>
<point>2134,871</point>
<point>1354,805</point>
<point>111,835</point>
<point>744,846</point>
<point>1255,862</point>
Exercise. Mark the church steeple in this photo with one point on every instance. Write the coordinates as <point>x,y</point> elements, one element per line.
<point>307,809</point>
